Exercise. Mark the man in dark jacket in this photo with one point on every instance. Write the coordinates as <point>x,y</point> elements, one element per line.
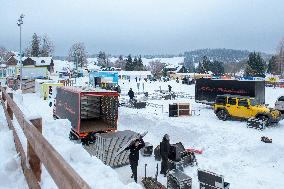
<point>170,88</point>
<point>134,155</point>
<point>131,94</point>
<point>164,151</point>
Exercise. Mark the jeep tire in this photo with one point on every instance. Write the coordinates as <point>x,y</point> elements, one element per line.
<point>222,115</point>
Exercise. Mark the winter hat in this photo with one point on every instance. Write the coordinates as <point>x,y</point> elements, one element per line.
<point>167,137</point>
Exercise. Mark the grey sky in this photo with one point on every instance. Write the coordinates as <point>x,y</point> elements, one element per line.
<point>145,26</point>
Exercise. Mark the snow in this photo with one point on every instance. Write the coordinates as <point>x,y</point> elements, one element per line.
<point>62,65</point>
<point>230,149</point>
<point>175,61</point>
<point>11,175</point>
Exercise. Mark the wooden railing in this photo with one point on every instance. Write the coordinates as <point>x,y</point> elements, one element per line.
<point>39,151</point>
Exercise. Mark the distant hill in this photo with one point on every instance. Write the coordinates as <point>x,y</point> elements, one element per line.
<point>224,55</point>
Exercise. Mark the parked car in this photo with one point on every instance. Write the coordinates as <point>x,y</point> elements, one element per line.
<point>279,104</point>
<point>243,107</point>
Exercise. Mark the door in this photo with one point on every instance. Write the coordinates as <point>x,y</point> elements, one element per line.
<point>244,110</point>
<point>231,106</point>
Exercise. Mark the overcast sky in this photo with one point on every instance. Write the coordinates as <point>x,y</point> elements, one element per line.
<point>145,26</point>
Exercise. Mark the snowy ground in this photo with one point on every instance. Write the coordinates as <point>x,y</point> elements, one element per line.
<point>229,147</point>
<point>11,174</point>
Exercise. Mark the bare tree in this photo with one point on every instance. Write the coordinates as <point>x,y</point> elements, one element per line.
<point>77,54</point>
<point>120,63</point>
<point>28,51</point>
<point>280,56</point>
<point>47,47</point>
<point>156,67</point>
<point>3,53</point>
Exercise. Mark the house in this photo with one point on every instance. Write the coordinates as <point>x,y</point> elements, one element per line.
<point>8,67</point>
<point>36,67</point>
<point>37,61</point>
<point>172,70</point>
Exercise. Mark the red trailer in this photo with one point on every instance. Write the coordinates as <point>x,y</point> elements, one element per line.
<point>90,110</point>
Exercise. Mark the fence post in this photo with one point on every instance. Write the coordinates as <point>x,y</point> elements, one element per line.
<point>33,159</point>
<point>9,110</point>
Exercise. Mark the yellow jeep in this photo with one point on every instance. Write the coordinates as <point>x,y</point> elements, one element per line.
<point>243,107</point>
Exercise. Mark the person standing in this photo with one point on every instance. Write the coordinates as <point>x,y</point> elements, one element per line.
<point>134,156</point>
<point>170,88</point>
<point>131,94</point>
<point>165,151</point>
<point>143,85</point>
<point>138,85</point>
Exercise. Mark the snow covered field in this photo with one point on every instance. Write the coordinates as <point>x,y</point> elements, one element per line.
<point>229,147</point>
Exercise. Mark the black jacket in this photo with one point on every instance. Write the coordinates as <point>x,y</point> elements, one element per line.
<point>130,94</point>
<point>134,152</point>
<point>165,148</point>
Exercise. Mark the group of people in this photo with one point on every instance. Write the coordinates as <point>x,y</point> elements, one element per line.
<point>138,144</point>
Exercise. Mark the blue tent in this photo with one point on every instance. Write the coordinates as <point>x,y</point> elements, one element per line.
<point>112,77</point>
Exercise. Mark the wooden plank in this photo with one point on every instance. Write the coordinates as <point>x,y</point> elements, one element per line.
<point>34,160</point>
<point>62,173</point>
<point>30,177</point>
<point>9,110</point>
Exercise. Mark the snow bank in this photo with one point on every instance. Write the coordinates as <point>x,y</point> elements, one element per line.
<point>11,175</point>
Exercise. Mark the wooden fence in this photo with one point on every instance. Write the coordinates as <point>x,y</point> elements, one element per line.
<point>39,150</point>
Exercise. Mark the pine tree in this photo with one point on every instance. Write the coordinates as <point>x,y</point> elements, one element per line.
<point>256,66</point>
<point>35,50</point>
<point>273,66</point>
<point>129,63</point>
<point>134,64</point>
<point>200,68</point>
<point>102,59</point>
<point>203,66</point>
<point>188,63</point>
<point>217,68</point>
<point>139,66</point>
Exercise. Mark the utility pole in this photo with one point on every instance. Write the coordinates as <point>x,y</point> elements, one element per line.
<point>20,22</point>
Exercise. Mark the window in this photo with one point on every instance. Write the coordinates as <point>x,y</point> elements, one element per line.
<point>243,102</point>
<point>253,102</point>
<point>232,101</point>
<point>221,100</point>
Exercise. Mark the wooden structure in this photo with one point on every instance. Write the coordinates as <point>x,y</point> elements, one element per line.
<point>39,151</point>
<point>28,86</point>
<point>179,109</point>
<point>67,82</point>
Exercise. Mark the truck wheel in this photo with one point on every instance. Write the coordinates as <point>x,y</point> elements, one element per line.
<point>222,115</point>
